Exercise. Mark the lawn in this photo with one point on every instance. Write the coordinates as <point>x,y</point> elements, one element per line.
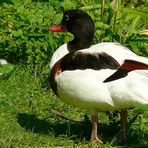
<point>31,116</point>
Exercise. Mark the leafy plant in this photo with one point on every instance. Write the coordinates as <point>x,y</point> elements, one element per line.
<point>119,22</point>
<point>24,35</point>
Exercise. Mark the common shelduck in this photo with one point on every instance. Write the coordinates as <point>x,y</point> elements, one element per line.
<point>102,77</point>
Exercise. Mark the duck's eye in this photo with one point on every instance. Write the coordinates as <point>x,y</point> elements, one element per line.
<point>66,17</point>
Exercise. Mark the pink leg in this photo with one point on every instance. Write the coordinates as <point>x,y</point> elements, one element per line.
<point>94,119</point>
<point>123,121</point>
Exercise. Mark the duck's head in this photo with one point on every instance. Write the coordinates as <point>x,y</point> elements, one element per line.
<point>80,25</point>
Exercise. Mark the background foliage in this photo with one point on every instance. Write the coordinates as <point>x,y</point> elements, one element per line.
<point>24,35</point>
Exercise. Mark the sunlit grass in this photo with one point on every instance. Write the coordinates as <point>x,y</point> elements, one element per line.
<point>31,116</point>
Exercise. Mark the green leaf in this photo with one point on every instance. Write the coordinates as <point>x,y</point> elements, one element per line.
<point>132,28</point>
<point>102,25</point>
<point>135,12</point>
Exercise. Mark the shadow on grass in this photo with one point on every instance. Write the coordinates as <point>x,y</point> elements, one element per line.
<point>12,70</point>
<point>75,131</point>
<point>41,126</point>
<point>6,76</point>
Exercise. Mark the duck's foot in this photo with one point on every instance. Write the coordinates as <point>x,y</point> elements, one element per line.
<point>121,136</point>
<point>94,137</point>
<point>97,140</point>
<point>122,132</point>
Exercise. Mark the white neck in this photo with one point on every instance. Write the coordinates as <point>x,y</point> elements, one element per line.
<point>58,54</point>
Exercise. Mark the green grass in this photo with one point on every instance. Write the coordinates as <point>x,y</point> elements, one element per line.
<point>31,116</point>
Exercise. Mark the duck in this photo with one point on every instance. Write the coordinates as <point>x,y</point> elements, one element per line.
<point>103,77</point>
<point>3,62</point>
